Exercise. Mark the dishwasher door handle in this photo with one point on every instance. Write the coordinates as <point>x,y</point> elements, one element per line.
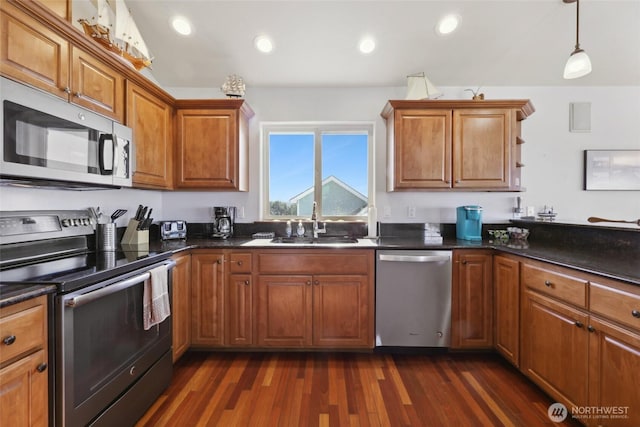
<point>414,258</point>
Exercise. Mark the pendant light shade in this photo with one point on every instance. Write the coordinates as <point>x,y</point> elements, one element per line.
<point>578,64</point>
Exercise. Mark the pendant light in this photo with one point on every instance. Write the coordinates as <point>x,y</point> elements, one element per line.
<point>579,63</point>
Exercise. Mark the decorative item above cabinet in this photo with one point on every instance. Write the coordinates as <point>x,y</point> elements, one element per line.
<point>464,145</point>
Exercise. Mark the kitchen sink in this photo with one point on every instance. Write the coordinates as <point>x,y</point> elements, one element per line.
<point>316,241</point>
<point>324,241</point>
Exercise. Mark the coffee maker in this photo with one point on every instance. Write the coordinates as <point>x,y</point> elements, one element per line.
<point>469,223</point>
<point>223,220</point>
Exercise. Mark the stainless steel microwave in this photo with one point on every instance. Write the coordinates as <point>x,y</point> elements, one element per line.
<point>47,139</point>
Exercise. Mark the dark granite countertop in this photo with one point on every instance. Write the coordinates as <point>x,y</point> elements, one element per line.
<point>618,265</point>
<point>615,266</point>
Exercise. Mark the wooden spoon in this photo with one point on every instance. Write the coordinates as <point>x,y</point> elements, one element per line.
<point>596,219</point>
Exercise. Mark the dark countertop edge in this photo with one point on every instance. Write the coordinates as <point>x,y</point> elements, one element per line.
<point>19,293</point>
<point>564,258</point>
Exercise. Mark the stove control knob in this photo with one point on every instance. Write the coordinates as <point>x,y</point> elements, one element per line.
<point>66,222</point>
<point>85,221</point>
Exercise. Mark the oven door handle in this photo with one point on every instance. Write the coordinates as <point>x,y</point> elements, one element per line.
<point>107,290</point>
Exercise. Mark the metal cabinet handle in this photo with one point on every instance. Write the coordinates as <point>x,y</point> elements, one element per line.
<point>219,261</point>
<point>77,95</point>
<point>9,340</point>
<point>239,262</point>
<point>67,90</point>
<point>547,283</point>
<point>316,282</point>
<point>246,282</point>
<point>464,261</point>
<point>42,367</point>
<point>636,314</point>
<point>591,328</point>
<point>308,282</point>
<point>579,324</point>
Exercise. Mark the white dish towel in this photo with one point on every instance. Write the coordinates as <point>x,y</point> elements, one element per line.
<point>155,298</point>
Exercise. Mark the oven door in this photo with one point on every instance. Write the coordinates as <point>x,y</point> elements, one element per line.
<point>102,348</point>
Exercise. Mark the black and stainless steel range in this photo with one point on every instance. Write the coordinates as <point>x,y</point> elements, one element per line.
<point>107,368</point>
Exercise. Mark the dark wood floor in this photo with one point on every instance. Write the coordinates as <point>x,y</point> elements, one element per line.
<point>348,389</point>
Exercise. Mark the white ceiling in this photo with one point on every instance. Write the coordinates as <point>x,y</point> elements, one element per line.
<point>499,43</point>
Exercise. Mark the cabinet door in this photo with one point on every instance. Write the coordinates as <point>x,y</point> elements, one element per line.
<point>207,149</point>
<point>32,53</point>
<point>96,86</point>
<point>506,291</point>
<point>284,310</point>
<point>341,307</point>
<point>481,148</point>
<point>422,149</point>
<point>181,305</point>
<point>24,393</point>
<point>614,357</point>
<point>555,348</point>
<point>150,118</point>
<point>207,290</point>
<point>239,310</point>
<point>472,300</point>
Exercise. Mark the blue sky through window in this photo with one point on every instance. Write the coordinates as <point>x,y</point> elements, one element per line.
<point>291,162</point>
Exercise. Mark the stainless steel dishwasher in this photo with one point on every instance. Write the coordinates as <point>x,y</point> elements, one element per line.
<point>413,298</point>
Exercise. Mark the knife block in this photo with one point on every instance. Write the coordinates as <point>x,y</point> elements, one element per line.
<point>134,237</point>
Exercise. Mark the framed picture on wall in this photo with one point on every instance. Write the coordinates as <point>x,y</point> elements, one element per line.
<point>612,170</point>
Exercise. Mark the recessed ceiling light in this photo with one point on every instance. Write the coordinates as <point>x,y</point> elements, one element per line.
<point>367,45</point>
<point>181,25</point>
<point>263,44</point>
<point>447,24</point>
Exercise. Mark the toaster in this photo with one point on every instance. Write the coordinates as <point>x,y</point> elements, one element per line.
<point>172,230</point>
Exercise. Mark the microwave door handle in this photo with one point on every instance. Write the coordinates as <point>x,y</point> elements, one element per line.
<point>105,154</point>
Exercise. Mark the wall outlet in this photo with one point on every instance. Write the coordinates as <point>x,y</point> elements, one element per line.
<point>241,212</point>
<point>411,211</point>
<point>386,212</point>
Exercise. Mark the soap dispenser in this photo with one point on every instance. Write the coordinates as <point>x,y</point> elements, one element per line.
<point>300,229</point>
<point>288,229</point>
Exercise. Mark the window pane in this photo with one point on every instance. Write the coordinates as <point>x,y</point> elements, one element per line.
<point>344,174</point>
<point>290,174</point>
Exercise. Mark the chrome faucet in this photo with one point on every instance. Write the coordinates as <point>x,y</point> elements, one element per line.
<point>314,219</point>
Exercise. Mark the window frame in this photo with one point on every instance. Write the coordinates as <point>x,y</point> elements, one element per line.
<point>317,129</point>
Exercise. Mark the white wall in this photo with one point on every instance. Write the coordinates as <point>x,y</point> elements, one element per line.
<point>553,156</point>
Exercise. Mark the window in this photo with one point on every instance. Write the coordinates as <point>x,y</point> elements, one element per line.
<point>329,163</point>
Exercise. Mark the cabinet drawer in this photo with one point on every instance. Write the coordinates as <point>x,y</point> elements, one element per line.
<point>616,304</point>
<point>316,261</point>
<point>561,286</point>
<point>23,330</point>
<point>240,262</point>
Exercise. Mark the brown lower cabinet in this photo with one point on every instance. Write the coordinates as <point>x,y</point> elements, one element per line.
<point>506,299</point>
<point>580,342</point>
<point>315,298</point>
<point>282,298</point>
<point>181,305</point>
<point>472,299</point>
<point>207,298</point>
<point>23,364</point>
<point>555,348</point>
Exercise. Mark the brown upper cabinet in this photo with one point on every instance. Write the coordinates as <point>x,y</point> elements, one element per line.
<point>461,145</point>
<point>151,119</point>
<point>212,144</point>
<point>33,53</point>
